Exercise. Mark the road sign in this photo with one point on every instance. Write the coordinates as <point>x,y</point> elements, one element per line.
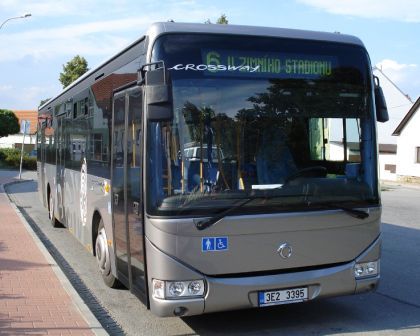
<point>24,126</point>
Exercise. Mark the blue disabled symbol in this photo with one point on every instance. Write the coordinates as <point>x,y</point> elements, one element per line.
<point>221,243</point>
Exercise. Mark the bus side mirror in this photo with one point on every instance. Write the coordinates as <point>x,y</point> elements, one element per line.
<point>380,103</point>
<point>158,95</point>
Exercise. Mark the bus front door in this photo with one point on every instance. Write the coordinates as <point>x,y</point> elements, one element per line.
<point>127,189</point>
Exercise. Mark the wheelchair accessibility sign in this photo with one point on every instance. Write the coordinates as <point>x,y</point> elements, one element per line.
<point>211,244</point>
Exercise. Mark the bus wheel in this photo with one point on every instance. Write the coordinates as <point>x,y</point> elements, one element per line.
<point>51,212</point>
<point>103,258</point>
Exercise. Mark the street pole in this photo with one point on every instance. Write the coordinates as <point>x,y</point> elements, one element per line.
<point>15,17</point>
<point>24,126</point>
<point>21,157</point>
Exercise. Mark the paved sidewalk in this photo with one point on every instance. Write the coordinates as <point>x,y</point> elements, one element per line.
<point>33,298</point>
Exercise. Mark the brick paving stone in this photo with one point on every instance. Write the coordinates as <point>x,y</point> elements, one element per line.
<point>32,299</point>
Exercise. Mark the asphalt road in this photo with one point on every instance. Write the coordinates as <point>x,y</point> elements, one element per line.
<point>393,310</point>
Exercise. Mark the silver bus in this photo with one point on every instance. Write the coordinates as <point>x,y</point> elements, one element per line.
<point>219,167</point>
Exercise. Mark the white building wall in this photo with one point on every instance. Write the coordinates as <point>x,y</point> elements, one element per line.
<point>11,140</point>
<point>387,160</point>
<point>336,152</point>
<point>408,140</point>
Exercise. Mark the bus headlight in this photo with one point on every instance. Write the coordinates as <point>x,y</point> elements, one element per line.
<point>175,288</point>
<point>368,269</point>
<point>178,289</point>
<point>196,288</point>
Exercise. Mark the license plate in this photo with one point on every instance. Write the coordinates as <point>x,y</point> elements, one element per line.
<point>284,296</point>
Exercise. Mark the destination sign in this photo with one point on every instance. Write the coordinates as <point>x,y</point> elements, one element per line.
<point>261,64</point>
<point>277,64</point>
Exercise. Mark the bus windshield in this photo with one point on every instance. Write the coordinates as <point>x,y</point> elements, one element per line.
<point>287,122</point>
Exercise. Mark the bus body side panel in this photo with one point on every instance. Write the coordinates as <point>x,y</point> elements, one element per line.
<point>73,195</point>
<point>86,107</point>
<point>98,201</point>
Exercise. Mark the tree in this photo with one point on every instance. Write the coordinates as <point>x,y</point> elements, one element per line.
<point>9,123</point>
<point>73,70</point>
<point>43,101</point>
<point>221,20</point>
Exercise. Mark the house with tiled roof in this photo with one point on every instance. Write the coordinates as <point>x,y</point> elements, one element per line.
<point>15,140</point>
<point>408,145</point>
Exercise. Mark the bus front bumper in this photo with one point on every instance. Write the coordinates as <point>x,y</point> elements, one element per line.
<point>243,292</point>
<point>240,293</point>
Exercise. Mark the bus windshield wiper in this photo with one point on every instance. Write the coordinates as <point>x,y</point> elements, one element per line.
<point>205,223</point>
<point>360,214</point>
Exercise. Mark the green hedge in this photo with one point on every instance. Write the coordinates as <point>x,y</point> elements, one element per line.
<point>11,157</point>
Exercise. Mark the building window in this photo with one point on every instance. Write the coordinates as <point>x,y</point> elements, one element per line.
<point>417,154</point>
<point>391,168</point>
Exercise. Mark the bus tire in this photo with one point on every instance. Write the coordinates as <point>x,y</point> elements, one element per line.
<point>103,257</point>
<point>51,212</point>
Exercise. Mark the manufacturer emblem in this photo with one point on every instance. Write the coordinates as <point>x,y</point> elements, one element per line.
<point>285,250</point>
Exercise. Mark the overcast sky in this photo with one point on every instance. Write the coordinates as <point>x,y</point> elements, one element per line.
<point>33,50</point>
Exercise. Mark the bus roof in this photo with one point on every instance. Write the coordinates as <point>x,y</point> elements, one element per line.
<point>159,28</point>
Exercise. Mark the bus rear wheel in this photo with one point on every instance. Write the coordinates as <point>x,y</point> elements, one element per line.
<point>51,212</point>
<point>103,257</point>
